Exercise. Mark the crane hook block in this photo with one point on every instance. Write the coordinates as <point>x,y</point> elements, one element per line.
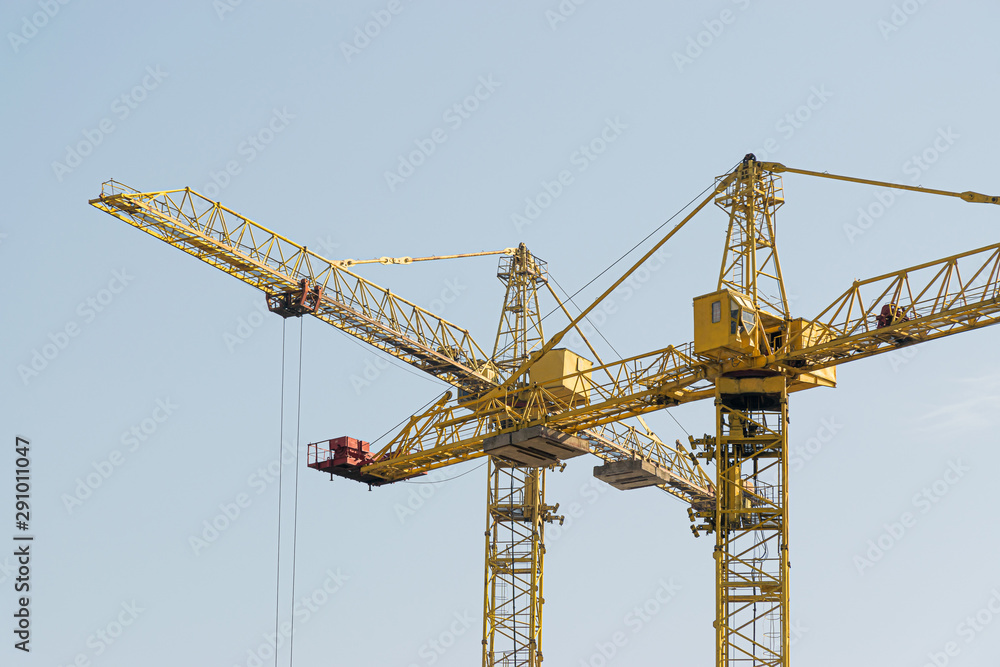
<point>297,302</point>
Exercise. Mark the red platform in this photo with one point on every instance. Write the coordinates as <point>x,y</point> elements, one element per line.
<point>343,457</point>
<point>339,452</point>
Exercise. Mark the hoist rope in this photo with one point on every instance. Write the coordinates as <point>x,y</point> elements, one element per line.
<point>295,506</point>
<point>281,446</point>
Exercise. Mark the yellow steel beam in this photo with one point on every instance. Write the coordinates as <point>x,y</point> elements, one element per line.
<point>274,264</point>
<point>459,437</point>
<point>720,186</point>
<point>924,302</point>
<point>930,300</point>
<point>969,196</point>
<point>461,427</point>
<point>516,514</point>
<point>750,522</point>
<point>410,260</point>
<point>750,262</point>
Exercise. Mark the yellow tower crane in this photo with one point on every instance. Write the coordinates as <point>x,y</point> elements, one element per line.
<point>533,405</point>
<point>297,281</point>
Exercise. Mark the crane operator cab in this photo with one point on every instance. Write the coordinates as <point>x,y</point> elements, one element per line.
<point>726,324</point>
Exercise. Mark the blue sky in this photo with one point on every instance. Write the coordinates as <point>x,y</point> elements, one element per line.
<point>166,375</point>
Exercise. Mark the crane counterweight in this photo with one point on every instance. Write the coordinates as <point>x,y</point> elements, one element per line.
<point>345,457</point>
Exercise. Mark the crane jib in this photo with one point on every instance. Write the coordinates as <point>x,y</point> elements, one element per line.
<point>277,266</point>
<point>748,355</point>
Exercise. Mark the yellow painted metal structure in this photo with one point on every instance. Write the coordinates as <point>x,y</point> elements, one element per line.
<point>274,264</point>
<point>515,553</point>
<point>750,522</point>
<point>347,263</point>
<point>563,373</point>
<point>516,512</point>
<point>725,325</point>
<point>749,354</point>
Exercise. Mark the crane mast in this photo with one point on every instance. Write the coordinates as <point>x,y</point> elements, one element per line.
<point>530,405</point>
<point>516,512</point>
<point>298,282</point>
<point>750,262</point>
<point>749,450</point>
<point>520,330</point>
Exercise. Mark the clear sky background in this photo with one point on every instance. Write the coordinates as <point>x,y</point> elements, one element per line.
<point>289,114</point>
